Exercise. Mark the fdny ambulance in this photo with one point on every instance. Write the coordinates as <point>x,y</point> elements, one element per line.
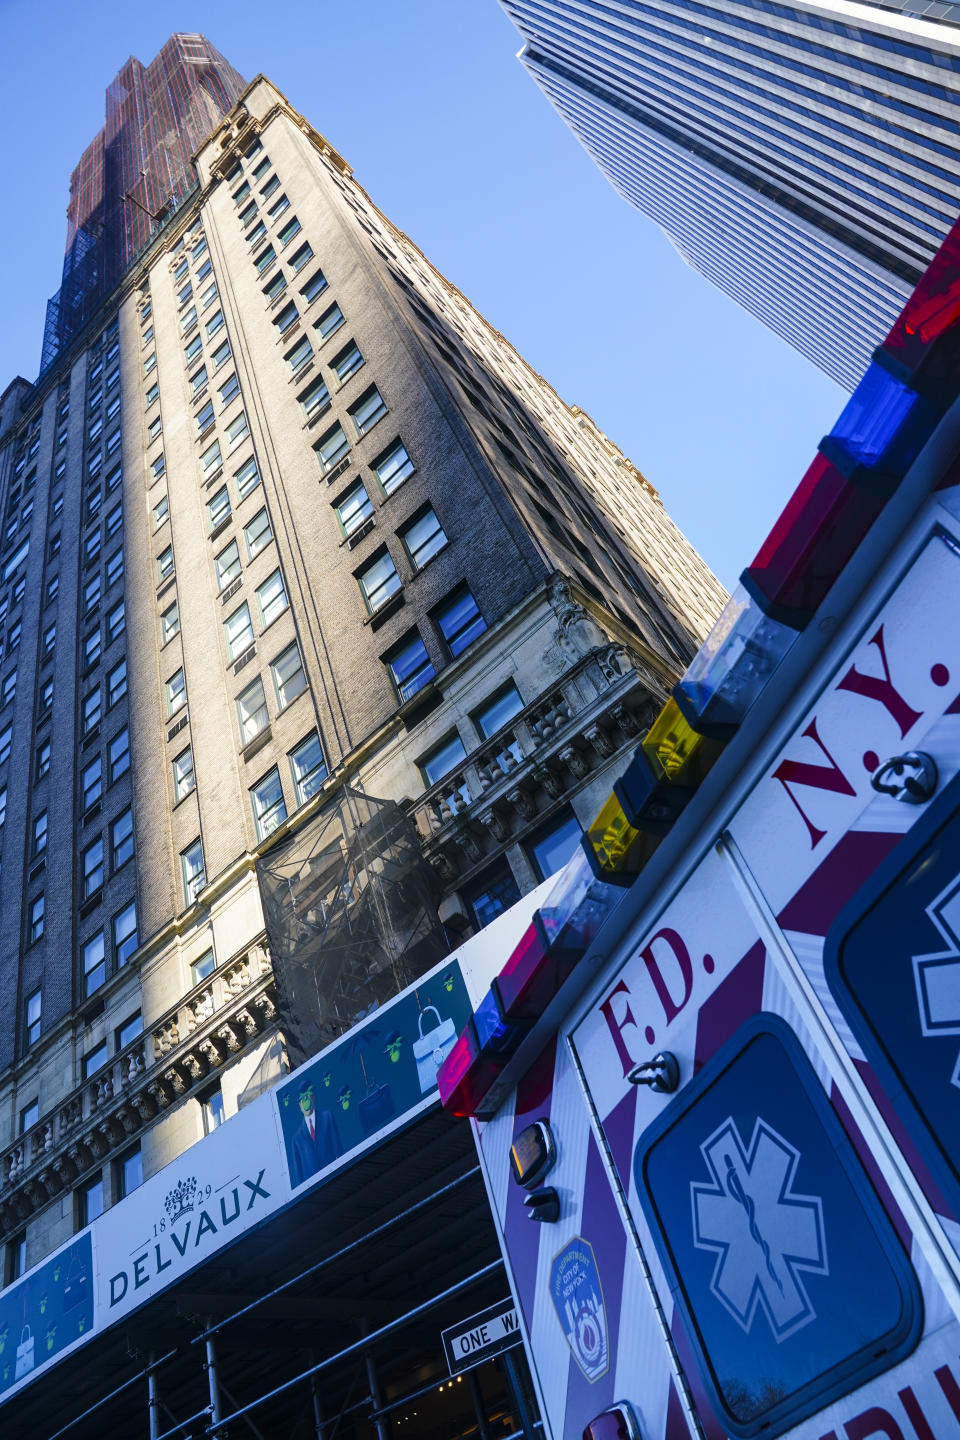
<point>715,1089</point>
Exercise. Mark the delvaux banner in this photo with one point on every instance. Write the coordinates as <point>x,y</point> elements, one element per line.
<point>355,1093</point>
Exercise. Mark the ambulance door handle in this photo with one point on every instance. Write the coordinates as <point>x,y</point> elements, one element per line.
<point>662,1073</point>
<point>911,778</point>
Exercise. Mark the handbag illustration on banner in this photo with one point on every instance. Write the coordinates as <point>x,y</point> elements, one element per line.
<point>25,1355</point>
<point>77,1284</point>
<point>431,1049</point>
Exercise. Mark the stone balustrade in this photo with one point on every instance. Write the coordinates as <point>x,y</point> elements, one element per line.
<point>212,1023</point>
<point>598,707</point>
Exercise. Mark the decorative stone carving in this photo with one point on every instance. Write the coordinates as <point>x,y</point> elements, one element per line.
<point>577,631</point>
<point>230,1038</point>
<point>629,723</point>
<point>523,802</point>
<point>495,824</point>
<point>549,780</point>
<point>600,741</point>
<point>575,761</point>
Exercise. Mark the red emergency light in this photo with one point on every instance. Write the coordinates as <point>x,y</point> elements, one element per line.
<point>823,523</point>
<point>466,1076</point>
<point>922,344</point>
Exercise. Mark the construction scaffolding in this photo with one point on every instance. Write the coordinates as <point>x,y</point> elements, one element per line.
<point>350,917</point>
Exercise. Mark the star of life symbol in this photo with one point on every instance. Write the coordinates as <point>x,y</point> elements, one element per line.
<point>937,976</point>
<point>763,1234</point>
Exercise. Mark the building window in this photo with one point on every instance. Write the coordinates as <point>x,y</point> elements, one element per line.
<point>92,863</point>
<point>125,938</point>
<point>347,362</point>
<point>165,563</point>
<point>152,395</point>
<point>169,623</point>
<point>128,1173</point>
<point>257,534</point>
<point>393,467</point>
<point>29,1116</point>
<point>42,762</point>
<point>552,847</point>
<point>198,380</point>
<point>238,632</point>
<point>121,840</point>
<point>176,693</point>
<point>33,1018</point>
<point>118,755</point>
<point>208,296</point>
<point>252,714</point>
<point>91,594</point>
<point>211,1106</point>
<point>378,581</point>
<point>114,568</point>
<point>257,233</point>
<point>288,677</point>
<point>91,786</point>
<point>308,768</point>
<point>214,324</point>
<point>275,287</point>
<point>423,538</point>
<point>116,621</point>
<point>95,1060</point>
<point>459,620</point>
<point>491,893</point>
<point>154,430</point>
<point>310,290</point>
<point>286,233</point>
<point>315,399</point>
<point>300,355</point>
<point>271,598</point>
<point>160,512</point>
<point>49,639</point>
<point>301,257</point>
<point>126,1033</point>
<point>204,418</point>
<point>6,739</point>
<point>91,711</point>
<point>220,354</point>
<point>117,683</point>
<point>89,1202</point>
<point>442,759</point>
<point>230,389</point>
<point>237,430</point>
<point>8,689</point>
<point>353,509</point>
<point>39,842</point>
<point>247,477</point>
<point>37,909</point>
<point>366,411</point>
<point>218,508</point>
<point>183,776</point>
<point>266,797</point>
<point>193,349</point>
<point>265,258</point>
<point>286,317</point>
<point>211,459</point>
<point>331,448</point>
<point>45,701</point>
<point>227,565</point>
<point>495,713</point>
<point>159,466</point>
<point>194,875</point>
<point>15,1259</point>
<point>94,963</point>
<point>204,965</point>
<point>278,207</point>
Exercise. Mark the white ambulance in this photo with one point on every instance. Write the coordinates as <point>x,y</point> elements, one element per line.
<point>716,1087</point>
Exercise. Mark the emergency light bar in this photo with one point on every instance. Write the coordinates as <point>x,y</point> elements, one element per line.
<point>914,377</point>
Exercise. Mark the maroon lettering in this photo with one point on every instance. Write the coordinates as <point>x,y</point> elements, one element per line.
<point>915,1415</point>
<point>950,1388</point>
<point>671,1007</point>
<point>873,687</point>
<point>873,1422</point>
<point>616,1026</point>
<point>818,777</point>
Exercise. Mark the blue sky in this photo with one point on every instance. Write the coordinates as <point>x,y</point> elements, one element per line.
<point>454,142</point>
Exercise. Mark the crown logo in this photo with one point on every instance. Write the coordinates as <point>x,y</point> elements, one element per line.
<point>180,1200</point>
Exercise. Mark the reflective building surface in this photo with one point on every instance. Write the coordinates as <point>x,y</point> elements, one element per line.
<point>803,157</point>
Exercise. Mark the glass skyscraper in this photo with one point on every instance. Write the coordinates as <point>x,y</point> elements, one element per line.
<point>803,157</point>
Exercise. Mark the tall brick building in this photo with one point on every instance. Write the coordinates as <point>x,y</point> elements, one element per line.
<point>290,536</point>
